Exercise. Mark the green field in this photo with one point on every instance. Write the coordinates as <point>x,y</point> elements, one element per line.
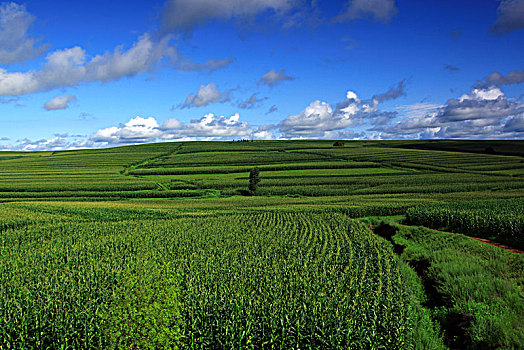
<point>163,246</point>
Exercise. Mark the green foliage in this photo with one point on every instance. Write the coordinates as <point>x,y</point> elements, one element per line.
<point>338,143</point>
<point>92,235</point>
<point>254,179</point>
<point>502,220</point>
<point>146,311</point>
<point>306,168</point>
<point>475,284</point>
<point>228,281</point>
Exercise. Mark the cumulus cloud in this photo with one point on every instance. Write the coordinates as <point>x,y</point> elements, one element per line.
<point>209,126</point>
<point>206,95</point>
<point>482,113</point>
<point>252,102</point>
<point>15,44</point>
<point>480,103</point>
<point>184,15</point>
<point>263,135</point>
<point>56,143</point>
<point>320,120</point>
<point>379,10</point>
<point>136,130</point>
<point>69,67</point>
<point>314,120</point>
<point>510,17</point>
<point>59,102</point>
<point>141,130</point>
<point>273,77</point>
<point>72,66</point>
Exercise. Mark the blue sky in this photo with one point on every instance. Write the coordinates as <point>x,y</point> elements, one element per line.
<point>98,74</point>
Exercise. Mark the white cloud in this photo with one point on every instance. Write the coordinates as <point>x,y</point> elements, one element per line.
<point>480,103</point>
<point>490,94</point>
<point>209,126</point>
<point>68,67</point>
<point>141,130</point>
<point>15,44</point>
<point>205,95</point>
<point>57,143</point>
<point>379,10</point>
<point>264,135</point>
<point>482,113</point>
<point>136,130</point>
<point>186,14</point>
<point>320,120</point>
<point>314,121</point>
<point>350,95</point>
<point>272,77</point>
<point>72,66</point>
<point>59,102</point>
<point>142,57</point>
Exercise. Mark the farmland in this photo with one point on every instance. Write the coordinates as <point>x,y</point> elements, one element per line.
<point>163,246</point>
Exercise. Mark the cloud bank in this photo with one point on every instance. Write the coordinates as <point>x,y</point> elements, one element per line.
<point>482,113</point>
<point>320,120</point>
<point>141,130</point>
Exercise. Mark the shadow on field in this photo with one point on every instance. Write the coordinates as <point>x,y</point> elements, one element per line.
<point>454,325</point>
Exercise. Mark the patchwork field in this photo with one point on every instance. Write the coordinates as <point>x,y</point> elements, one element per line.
<point>164,246</point>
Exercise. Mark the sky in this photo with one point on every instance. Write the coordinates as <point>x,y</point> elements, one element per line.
<point>93,74</point>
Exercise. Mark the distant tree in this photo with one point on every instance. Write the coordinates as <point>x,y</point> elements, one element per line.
<point>254,179</point>
<point>338,143</point>
<point>489,150</point>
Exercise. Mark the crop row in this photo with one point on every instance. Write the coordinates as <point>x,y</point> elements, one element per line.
<point>501,220</point>
<point>208,169</point>
<point>103,194</point>
<point>268,280</point>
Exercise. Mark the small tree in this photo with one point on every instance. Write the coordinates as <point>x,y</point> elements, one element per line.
<point>338,143</point>
<point>254,179</point>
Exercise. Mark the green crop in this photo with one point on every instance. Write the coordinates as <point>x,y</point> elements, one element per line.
<point>284,280</point>
<point>501,220</point>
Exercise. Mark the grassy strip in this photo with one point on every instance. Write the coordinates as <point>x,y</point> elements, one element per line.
<point>242,169</point>
<point>107,194</point>
<point>499,220</point>
<point>473,289</point>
